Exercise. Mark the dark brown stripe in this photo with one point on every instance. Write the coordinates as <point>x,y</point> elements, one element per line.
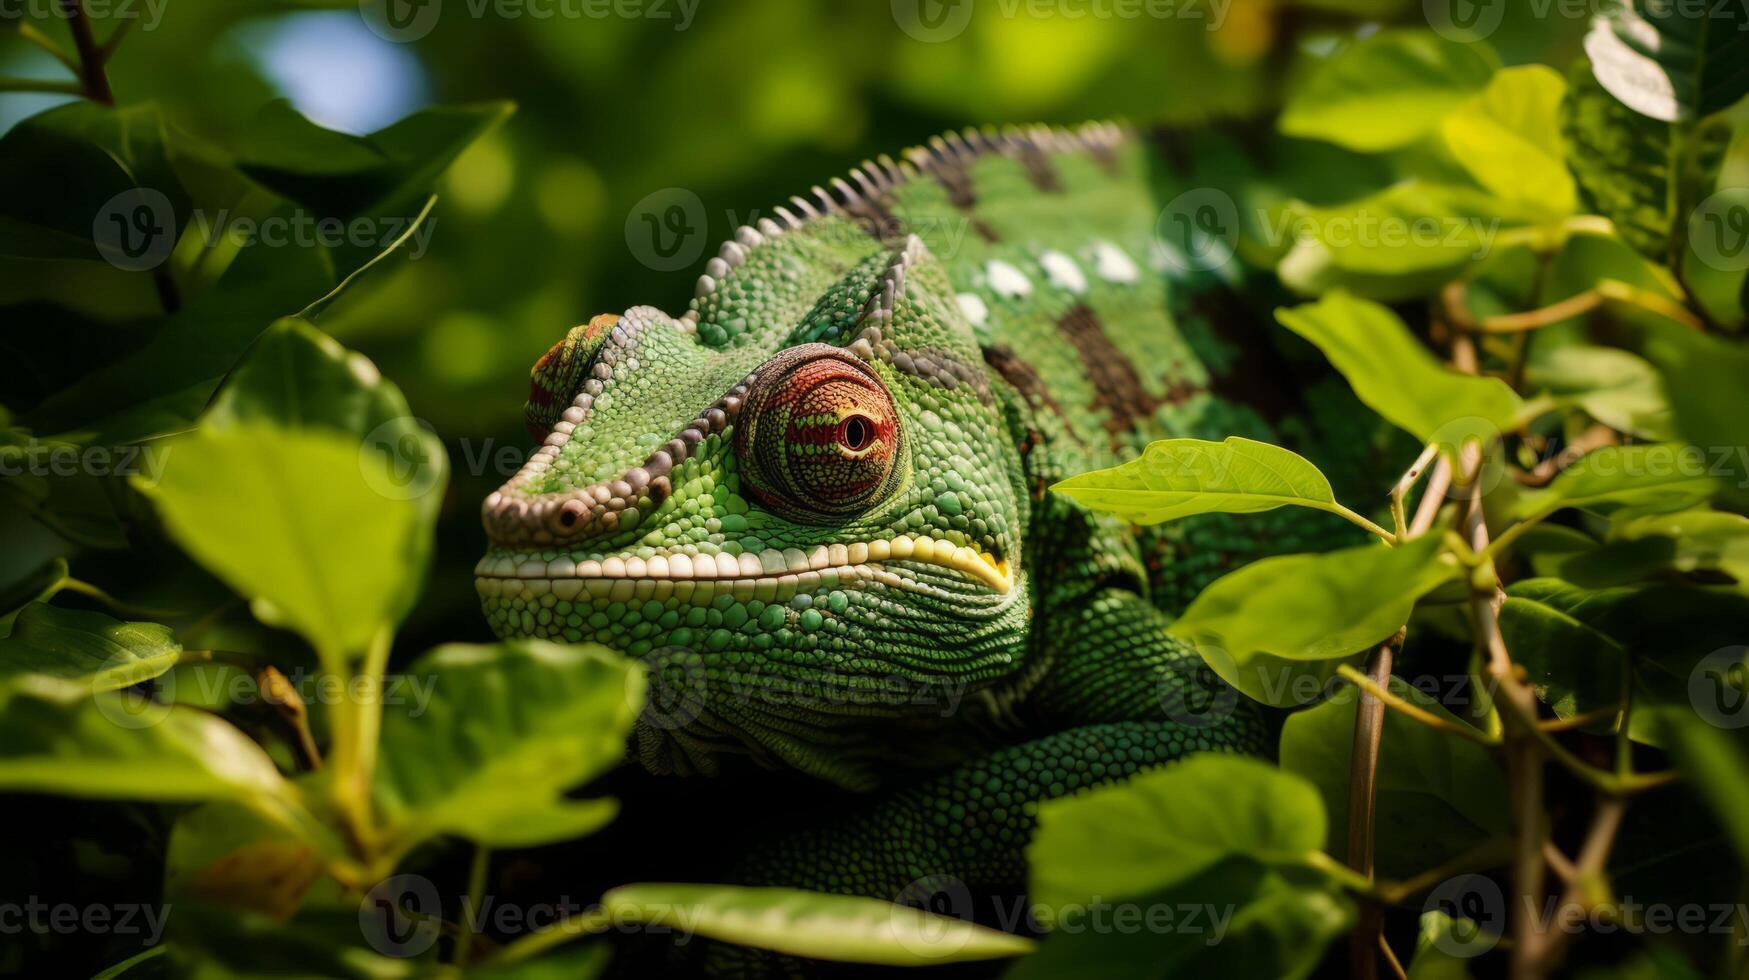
<point>1118,388</point>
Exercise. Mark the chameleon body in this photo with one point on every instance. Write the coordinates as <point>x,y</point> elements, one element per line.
<point>818,506</point>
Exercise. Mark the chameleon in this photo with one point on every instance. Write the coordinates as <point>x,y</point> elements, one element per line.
<point>818,503</point>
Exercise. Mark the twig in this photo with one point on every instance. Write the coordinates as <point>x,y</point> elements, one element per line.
<point>1578,721</point>
<point>277,691</point>
<point>120,608</point>
<point>1363,764</point>
<point>476,891</point>
<point>1560,862</point>
<point>1490,853</point>
<point>40,85</point>
<point>33,34</point>
<point>1391,958</point>
<point>1593,858</point>
<point>1383,694</point>
<point>1400,492</point>
<point>90,56</point>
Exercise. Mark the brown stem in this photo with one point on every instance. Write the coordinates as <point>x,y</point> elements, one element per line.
<point>1369,723</point>
<point>91,57</point>
<point>1593,859</point>
<point>278,692</point>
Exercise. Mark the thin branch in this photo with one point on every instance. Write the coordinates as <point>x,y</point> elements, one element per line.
<point>290,709</point>
<point>30,32</point>
<point>1400,492</point>
<point>1587,871</point>
<point>40,85</point>
<point>117,606</point>
<point>90,56</point>
<point>1391,958</point>
<point>1363,764</point>
<point>1412,710</point>
<point>1579,721</point>
<point>1562,865</point>
<point>476,893</point>
<point>115,38</point>
<point>1488,854</point>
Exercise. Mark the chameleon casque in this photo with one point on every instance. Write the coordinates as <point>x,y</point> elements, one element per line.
<point>817,504</point>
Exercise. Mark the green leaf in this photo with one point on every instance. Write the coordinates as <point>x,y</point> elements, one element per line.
<point>1644,175</point>
<point>61,170</point>
<point>1252,624</point>
<point>1669,634</point>
<point>1703,377</point>
<point>499,735</point>
<point>1574,667</point>
<point>1176,478</point>
<point>1509,139</point>
<point>842,928</point>
<point>55,737</point>
<point>1397,377</point>
<point>1224,833</point>
<point>298,377</point>
<point>1238,918</point>
<point>1403,241</point>
<point>1617,388</point>
<point>1671,61</point>
<point>385,175</point>
<point>1131,839</point>
<point>1440,933</point>
<point>1386,90</point>
<point>225,854</point>
<point>101,653</point>
<point>308,522</point>
<point>1642,547</point>
<point>1643,478</point>
<point>1437,794</point>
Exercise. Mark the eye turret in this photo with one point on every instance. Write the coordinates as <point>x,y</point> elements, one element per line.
<point>819,437</point>
<point>558,374</point>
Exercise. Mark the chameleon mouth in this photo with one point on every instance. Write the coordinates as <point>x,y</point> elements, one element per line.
<point>761,576</point>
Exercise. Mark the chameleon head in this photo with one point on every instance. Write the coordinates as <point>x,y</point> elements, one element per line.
<point>808,529</point>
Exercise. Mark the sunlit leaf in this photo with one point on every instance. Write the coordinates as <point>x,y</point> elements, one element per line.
<point>1387,90</point>
<point>308,522</point>
<point>842,928</point>
<point>1252,624</point>
<point>55,737</point>
<point>1647,478</point>
<point>1671,61</point>
<point>1222,833</point>
<point>497,737</point>
<point>1397,376</point>
<point>91,648</point>
<point>298,377</point>
<point>1176,478</point>
<point>1509,138</point>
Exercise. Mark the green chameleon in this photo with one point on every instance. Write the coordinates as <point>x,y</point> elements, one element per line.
<point>818,503</point>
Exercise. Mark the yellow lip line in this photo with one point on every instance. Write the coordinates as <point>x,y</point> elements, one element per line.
<point>997,575</point>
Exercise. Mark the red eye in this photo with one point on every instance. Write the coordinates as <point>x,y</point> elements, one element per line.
<point>819,435</point>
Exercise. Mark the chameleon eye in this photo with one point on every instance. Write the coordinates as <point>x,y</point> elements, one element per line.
<point>818,435</point>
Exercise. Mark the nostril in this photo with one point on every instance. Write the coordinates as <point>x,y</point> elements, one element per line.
<point>568,518</point>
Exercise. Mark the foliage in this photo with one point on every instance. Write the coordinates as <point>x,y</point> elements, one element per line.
<point>1554,625</point>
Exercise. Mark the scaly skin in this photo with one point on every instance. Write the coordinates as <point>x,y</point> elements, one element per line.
<point>817,504</point>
